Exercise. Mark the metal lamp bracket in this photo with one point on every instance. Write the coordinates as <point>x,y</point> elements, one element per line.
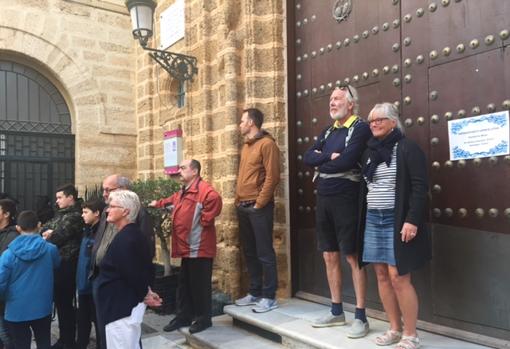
<point>181,67</point>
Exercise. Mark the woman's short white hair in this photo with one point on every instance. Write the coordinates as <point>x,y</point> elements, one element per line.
<point>129,200</point>
<point>389,110</point>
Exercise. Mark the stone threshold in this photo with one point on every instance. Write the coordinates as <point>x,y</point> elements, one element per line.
<point>224,335</point>
<point>292,322</point>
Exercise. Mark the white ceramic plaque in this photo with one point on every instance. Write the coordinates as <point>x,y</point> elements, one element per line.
<point>171,24</point>
<point>479,136</point>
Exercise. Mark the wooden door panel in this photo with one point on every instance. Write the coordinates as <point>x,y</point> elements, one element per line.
<point>473,82</point>
<point>359,57</point>
<point>410,52</point>
<point>467,23</point>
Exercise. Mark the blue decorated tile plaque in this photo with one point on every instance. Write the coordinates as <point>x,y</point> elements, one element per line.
<point>479,136</point>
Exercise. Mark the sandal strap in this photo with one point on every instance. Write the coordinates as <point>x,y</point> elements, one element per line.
<point>388,337</point>
<point>408,342</point>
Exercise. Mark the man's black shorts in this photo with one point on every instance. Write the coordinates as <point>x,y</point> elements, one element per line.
<point>336,220</point>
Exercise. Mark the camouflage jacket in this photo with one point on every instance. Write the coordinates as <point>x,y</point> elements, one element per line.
<point>67,226</point>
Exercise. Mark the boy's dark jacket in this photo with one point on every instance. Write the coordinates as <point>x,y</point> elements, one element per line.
<point>67,226</point>
<point>6,236</point>
<point>83,284</point>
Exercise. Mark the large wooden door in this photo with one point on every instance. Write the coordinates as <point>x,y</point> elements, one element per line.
<point>438,60</point>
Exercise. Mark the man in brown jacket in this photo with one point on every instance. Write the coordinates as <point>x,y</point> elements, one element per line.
<point>259,173</point>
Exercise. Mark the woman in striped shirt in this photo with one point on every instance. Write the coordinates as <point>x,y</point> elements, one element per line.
<point>393,235</point>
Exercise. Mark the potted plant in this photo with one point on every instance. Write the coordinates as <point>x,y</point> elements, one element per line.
<point>166,279</point>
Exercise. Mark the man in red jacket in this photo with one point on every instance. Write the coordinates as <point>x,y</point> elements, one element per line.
<point>194,209</point>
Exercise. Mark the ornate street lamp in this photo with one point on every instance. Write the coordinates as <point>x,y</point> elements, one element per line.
<point>181,67</point>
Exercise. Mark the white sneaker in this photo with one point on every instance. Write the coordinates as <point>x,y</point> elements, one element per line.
<point>247,300</point>
<point>265,305</point>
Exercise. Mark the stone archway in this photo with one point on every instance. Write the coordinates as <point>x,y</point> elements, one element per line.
<point>103,143</point>
<point>78,88</point>
<point>36,143</point>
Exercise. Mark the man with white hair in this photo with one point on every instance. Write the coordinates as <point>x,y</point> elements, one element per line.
<point>335,157</point>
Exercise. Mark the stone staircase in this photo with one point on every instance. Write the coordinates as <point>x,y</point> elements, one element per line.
<point>288,326</point>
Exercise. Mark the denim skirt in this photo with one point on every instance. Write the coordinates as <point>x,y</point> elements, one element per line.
<point>379,235</point>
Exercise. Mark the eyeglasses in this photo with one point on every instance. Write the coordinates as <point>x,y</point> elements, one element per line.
<point>346,87</point>
<point>377,121</point>
<point>109,190</point>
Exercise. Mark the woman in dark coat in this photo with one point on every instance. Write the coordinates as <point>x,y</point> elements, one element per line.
<point>393,234</point>
<point>124,276</point>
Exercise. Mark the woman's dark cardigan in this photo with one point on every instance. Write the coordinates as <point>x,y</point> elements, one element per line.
<point>410,206</point>
<point>124,275</point>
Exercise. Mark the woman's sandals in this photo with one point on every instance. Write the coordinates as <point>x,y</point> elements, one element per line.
<point>388,338</point>
<point>408,342</point>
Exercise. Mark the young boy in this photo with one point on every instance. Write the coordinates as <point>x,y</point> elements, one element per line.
<point>26,283</point>
<point>91,213</point>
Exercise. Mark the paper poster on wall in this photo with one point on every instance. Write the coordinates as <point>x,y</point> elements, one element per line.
<point>479,136</point>
<point>172,151</point>
<point>172,24</point>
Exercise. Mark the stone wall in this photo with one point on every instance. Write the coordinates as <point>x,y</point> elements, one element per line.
<point>240,49</point>
<point>86,49</point>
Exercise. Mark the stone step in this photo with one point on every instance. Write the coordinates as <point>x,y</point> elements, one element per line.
<point>292,322</point>
<point>224,335</point>
<point>153,336</point>
<point>163,342</point>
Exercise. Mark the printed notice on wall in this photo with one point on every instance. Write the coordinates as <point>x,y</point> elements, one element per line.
<point>479,136</point>
<point>171,24</point>
<point>172,150</point>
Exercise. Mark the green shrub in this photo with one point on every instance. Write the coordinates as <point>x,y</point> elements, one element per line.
<point>154,189</point>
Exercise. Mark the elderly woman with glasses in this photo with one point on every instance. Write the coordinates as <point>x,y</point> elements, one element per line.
<point>124,276</point>
<point>393,234</point>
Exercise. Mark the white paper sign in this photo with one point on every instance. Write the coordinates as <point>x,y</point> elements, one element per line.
<point>171,151</point>
<point>479,136</point>
<point>172,24</point>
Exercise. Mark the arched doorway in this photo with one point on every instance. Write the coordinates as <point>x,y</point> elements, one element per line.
<point>36,143</point>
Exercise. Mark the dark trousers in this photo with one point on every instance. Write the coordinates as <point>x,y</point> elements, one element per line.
<point>22,337</point>
<point>5,339</point>
<point>86,316</point>
<point>100,325</point>
<point>65,288</point>
<point>256,235</point>
<point>194,290</point>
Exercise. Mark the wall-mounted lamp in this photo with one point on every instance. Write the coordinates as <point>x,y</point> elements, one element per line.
<point>181,67</point>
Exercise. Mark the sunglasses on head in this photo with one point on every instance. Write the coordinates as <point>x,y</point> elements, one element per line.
<point>344,87</point>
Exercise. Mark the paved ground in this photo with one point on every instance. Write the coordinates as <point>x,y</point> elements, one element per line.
<point>291,321</point>
<point>151,328</point>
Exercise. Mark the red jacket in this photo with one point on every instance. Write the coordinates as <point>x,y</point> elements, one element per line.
<point>194,210</point>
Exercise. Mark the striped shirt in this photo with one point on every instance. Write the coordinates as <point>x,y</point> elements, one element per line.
<point>381,191</point>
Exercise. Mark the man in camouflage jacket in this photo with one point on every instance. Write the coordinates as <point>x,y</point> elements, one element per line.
<point>65,231</point>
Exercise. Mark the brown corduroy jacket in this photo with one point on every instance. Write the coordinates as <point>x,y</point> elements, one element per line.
<point>259,170</point>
